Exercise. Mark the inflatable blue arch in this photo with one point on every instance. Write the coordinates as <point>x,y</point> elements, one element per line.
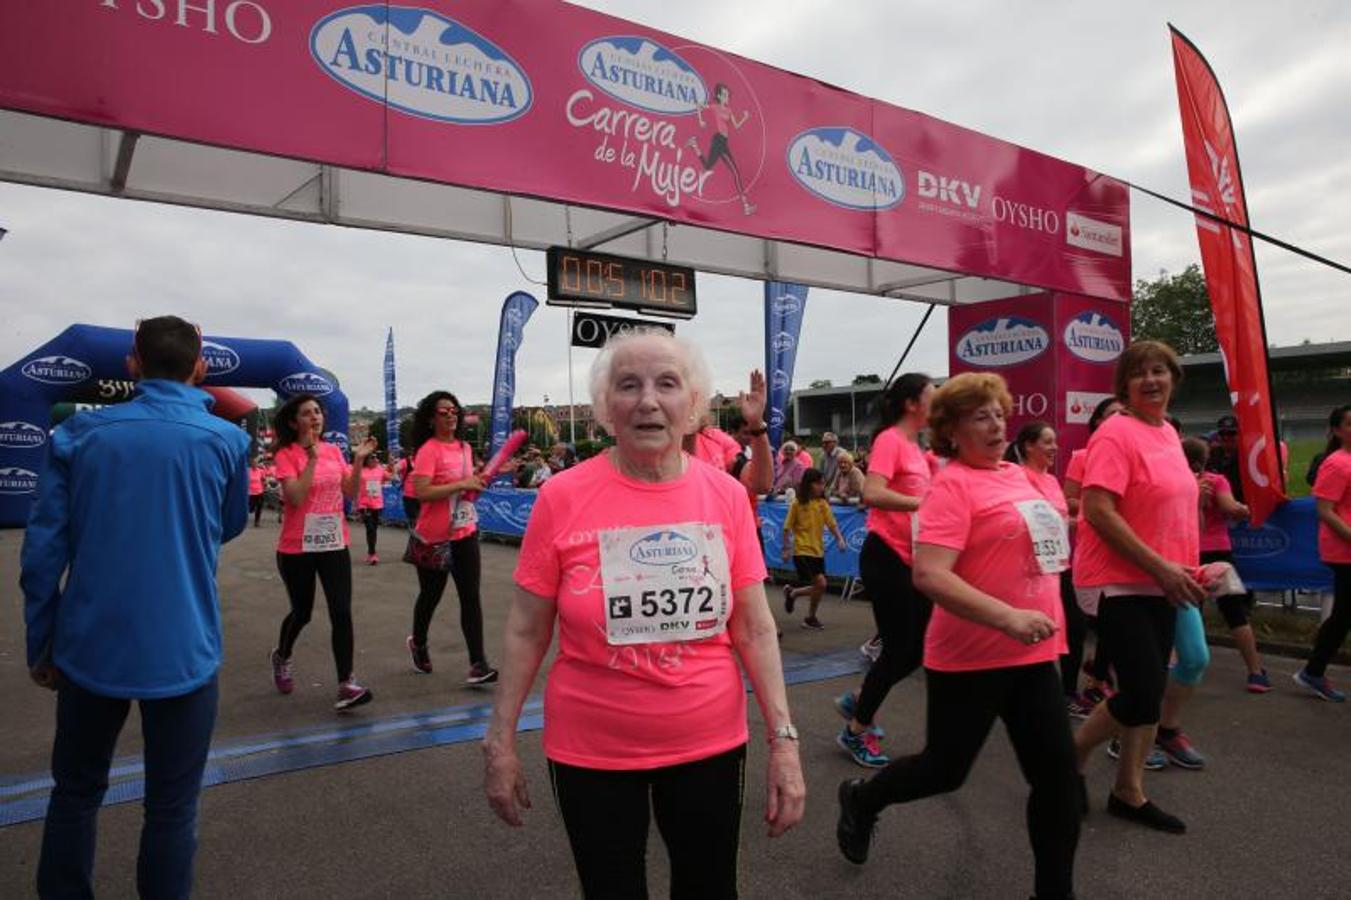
<point>69,367</point>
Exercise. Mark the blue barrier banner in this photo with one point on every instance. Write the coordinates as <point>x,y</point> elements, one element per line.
<point>1283,553</point>
<point>391,401</point>
<point>784,307</point>
<point>516,311</point>
<point>841,562</point>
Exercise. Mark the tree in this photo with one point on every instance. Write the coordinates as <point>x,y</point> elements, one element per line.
<point>820,383</point>
<point>1175,309</point>
<point>867,379</point>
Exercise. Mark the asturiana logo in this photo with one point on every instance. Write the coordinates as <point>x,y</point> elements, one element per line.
<point>422,63</point>
<point>1093,337</point>
<point>56,370</point>
<point>783,342</point>
<point>847,168</point>
<point>641,73</point>
<point>21,435</point>
<point>14,480</point>
<point>1003,342</point>
<point>663,548</point>
<point>305,383</point>
<point>338,439</point>
<point>220,359</point>
<point>1265,541</point>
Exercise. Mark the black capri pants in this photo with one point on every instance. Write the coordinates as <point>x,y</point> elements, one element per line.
<point>1137,632</point>
<point>902,616</point>
<point>697,806</point>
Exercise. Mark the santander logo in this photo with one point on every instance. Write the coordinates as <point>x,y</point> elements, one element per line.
<point>420,62</point>
<point>642,73</point>
<point>1003,342</point>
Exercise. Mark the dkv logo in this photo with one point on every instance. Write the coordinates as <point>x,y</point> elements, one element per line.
<point>641,73</point>
<point>1093,337</point>
<point>847,168</point>
<point>56,370</point>
<point>305,383</point>
<point>1003,342</point>
<point>663,548</point>
<point>21,435</point>
<point>422,63</point>
<point>220,359</point>
<point>14,480</point>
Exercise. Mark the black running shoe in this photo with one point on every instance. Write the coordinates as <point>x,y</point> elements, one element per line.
<point>854,831</point>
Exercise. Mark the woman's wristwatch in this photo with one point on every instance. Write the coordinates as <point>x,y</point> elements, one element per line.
<point>756,432</point>
<point>784,732</point>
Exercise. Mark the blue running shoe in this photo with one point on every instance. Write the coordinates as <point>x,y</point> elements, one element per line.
<point>862,748</point>
<point>1155,761</point>
<point>846,706</point>
<point>1320,685</point>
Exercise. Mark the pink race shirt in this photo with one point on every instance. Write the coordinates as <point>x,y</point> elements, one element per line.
<point>1074,471</point>
<point>976,512</point>
<point>1049,488</point>
<point>370,489</point>
<point>444,463</point>
<point>900,461</point>
<point>405,470</point>
<point>644,705</point>
<point>256,475</point>
<point>715,447</point>
<point>325,497</point>
<point>1156,494</point>
<point>722,117</point>
<point>1334,484</point>
<point>1214,526</point>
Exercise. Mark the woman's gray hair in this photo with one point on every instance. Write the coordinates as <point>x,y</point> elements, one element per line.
<point>693,366</point>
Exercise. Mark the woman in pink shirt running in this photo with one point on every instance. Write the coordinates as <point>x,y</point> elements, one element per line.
<point>371,502</point>
<point>989,550</point>
<point>1138,548</point>
<point>648,563</point>
<point>1332,493</point>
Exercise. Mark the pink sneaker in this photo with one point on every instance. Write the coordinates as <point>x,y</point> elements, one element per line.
<point>351,694</point>
<point>372,560</point>
<point>281,674</point>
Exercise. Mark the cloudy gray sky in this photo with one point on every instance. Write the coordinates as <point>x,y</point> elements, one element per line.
<point>1088,82</point>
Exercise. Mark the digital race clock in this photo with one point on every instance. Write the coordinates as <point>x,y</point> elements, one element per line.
<point>583,278</point>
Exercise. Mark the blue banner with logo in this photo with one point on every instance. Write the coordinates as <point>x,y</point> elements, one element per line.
<point>1283,553</point>
<point>516,311</point>
<point>784,307</point>
<point>391,401</point>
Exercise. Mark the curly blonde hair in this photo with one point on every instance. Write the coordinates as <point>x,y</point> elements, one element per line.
<point>958,396</point>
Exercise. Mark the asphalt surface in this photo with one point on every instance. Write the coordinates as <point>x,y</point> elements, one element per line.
<point>1267,817</point>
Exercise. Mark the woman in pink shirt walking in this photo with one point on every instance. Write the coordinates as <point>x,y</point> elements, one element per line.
<point>989,551</point>
<point>647,562</point>
<point>1332,493</point>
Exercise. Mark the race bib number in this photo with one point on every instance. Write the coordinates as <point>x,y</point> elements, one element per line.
<point>372,489</point>
<point>463,515</point>
<point>666,583</point>
<point>1050,537</point>
<point>323,531</point>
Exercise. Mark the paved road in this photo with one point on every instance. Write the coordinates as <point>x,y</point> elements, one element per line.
<point>1267,817</point>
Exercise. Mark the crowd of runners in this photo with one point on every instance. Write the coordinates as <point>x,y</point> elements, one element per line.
<point>646,564</point>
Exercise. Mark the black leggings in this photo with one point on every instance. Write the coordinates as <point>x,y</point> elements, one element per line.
<point>718,149</point>
<point>256,507</point>
<point>1138,634</point>
<point>962,710</point>
<point>411,507</point>
<point>697,806</point>
<point>333,569</point>
<point>1332,632</point>
<point>1233,607</point>
<point>901,614</point>
<point>372,519</point>
<point>1075,627</point>
<point>465,569</point>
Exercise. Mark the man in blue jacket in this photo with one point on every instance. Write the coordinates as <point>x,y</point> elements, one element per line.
<point>133,504</point>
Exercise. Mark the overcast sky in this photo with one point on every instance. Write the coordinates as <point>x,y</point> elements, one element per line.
<point>1088,82</point>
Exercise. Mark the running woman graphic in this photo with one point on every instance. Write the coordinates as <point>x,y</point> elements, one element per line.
<point>717,148</point>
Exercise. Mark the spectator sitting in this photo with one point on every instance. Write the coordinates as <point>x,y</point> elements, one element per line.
<point>533,472</point>
<point>791,471</point>
<point>847,487</point>
<point>561,457</point>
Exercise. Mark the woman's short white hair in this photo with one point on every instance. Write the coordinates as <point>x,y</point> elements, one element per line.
<point>692,363</point>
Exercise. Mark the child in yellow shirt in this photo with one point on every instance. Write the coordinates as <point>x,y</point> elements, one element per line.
<point>804,537</point>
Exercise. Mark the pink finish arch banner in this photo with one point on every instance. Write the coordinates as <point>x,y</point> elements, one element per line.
<point>543,99</point>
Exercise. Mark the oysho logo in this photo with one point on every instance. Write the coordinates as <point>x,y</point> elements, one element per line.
<point>1093,337</point>
<point>1265,541</point>
<point>56,370</point>
<point>641,73</point>
<point>21,435</point>
<point>14,480</point>
<point>663,548</point>
<point>422,63</point>
<point>1003,342</point>
<point>846,167</point>
<point>305,383</point>
<point>220,359</point>
<point>1090,234</point>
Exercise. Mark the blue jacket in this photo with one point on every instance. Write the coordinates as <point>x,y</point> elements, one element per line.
<point>133,504</point>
